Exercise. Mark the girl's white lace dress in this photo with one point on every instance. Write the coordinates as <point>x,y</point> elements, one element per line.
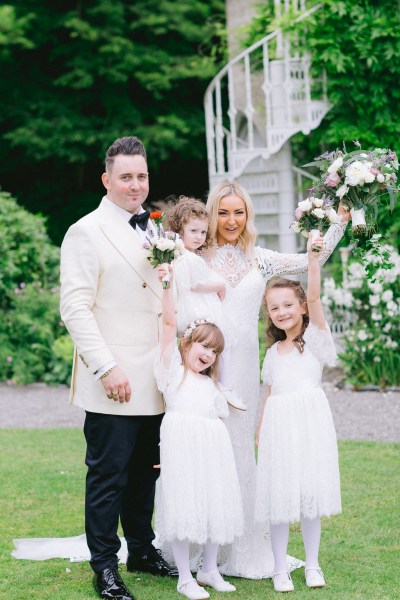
<point>198,490</point>
<point>190,271</point>
<point>298,469</point>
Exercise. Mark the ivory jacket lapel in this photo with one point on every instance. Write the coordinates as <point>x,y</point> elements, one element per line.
<point>121,235</point>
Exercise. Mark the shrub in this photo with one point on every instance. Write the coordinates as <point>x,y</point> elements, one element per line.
<point>29,300</point>
<point>370,355</point>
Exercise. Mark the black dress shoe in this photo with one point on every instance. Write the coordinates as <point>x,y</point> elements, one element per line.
<point>152,562</point>
<point>108,584</point>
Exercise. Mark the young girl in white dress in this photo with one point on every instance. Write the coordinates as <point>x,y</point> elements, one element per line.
<point>297,470</point>
<point>199,492</point>
<point>199,290</point>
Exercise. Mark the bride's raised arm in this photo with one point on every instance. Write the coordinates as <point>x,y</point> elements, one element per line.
<point>274,263</point>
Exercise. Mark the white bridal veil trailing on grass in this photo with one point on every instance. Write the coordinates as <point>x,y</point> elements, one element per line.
<point>73,548</point>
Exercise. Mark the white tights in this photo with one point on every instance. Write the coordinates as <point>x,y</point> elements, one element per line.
<point>311,530</point>
<point>180,549</point>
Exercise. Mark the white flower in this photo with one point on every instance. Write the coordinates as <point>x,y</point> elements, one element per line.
<point>374,300</point>
<point>305,205</point>
<point>342,191</point>
<point>377,359</point>
<point>388,176</point>
<point>362,335</point>
<point>376,316</point>
<point>387,296</point>
<point>295,226</point>
<point>333,216</point>
<point>317,202</point>
<point>386,328</point>
<point>164,244</point>
<point>318,212</point>
<point>376,288</point>
<point>380,178</point>
<point>359,173</point>
<point>392,306</point>
<point>333,168</point>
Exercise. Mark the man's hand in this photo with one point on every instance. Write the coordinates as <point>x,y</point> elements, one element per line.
<point>117,386</point>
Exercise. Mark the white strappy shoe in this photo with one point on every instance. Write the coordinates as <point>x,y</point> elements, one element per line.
<point>314,577</point>
<point>192,590</point>
<point>285,585</point>
<point>215,580</point>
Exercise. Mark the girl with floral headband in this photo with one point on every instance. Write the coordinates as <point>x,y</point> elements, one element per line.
<point>297,470</point>
<point>198,496</point>
<point>199,290</point>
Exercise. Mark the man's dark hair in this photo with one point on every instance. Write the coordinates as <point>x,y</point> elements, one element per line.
<point>128,145</point>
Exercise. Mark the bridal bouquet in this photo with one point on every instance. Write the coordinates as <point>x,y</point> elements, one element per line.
<point>163,247</point>
<point>360,180</point>
<point>314,215</point>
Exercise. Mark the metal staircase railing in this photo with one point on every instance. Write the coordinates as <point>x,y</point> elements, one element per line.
<point>260,99</point>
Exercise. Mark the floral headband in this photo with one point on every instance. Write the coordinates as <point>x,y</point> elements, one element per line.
<point>192,326</point>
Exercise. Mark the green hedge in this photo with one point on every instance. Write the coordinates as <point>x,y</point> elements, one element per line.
<point>34,345</point>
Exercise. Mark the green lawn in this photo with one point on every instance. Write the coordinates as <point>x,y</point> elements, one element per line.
<point>42,488</point>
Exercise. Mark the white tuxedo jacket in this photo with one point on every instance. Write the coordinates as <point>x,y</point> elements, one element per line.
<point>111,306</point>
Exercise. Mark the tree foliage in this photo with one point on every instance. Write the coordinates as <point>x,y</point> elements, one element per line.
<point>357,44</point>
<point>77,75</point>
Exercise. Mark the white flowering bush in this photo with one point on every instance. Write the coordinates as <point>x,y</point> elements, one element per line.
<point>372,310</point>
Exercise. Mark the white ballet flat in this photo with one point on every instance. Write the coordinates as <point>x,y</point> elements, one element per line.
<point>233,400</point>
<point>314,577</point>
<point>214,580</point>
<point>283,586</point>
<point>196,593</point>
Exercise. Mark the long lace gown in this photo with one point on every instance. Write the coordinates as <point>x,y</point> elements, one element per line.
<point>249,556</point>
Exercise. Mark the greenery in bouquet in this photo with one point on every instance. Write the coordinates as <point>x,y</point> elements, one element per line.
<point>163,247</point>
<point>314,215</point>
<point>371,312</point>
<point>362,180</point>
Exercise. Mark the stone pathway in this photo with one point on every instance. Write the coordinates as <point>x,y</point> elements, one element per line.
<point>371,416</point>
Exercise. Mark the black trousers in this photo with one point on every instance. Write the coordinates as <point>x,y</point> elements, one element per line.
<point>120,484</point>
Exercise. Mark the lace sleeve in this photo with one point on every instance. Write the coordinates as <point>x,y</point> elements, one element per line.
<point>166,365</point>
<point>272,263</point>
<point>266,371</point>
<point>321,344</point>
<point>190,270</point>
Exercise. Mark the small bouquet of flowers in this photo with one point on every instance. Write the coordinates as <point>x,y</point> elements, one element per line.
<point>163,247</point>
<point>314,215</point>
<point>360,180</point>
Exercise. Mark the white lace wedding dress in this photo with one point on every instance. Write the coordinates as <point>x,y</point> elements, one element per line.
<point>250,556</point>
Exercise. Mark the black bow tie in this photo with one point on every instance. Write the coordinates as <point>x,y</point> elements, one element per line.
<point>140,220</point>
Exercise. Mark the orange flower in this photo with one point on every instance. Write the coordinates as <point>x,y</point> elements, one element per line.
<point>157,214</point>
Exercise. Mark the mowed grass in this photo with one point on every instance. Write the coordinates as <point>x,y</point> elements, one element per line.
<point>42,491</point>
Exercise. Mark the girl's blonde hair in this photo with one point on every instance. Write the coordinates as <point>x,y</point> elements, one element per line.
<point>183,211</point>
<point>248,238</point>
<point>210,336</point>
<point>274,334</point>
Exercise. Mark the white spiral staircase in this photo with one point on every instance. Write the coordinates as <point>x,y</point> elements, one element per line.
<point>255,104</point>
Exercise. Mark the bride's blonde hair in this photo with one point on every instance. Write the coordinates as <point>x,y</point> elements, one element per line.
<point>247,238</point>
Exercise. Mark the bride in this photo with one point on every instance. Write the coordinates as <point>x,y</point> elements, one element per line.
<point>246,269</point>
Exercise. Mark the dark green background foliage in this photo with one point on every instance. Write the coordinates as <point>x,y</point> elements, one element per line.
<point>77,75</point>
<point>33,342</point>
<point>358,45</point>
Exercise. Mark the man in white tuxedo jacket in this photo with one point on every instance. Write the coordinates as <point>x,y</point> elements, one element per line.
<point>111,306</point>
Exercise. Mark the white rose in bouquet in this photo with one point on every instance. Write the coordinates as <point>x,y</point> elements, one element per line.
<point>318,212</point>
<point>305,205</point>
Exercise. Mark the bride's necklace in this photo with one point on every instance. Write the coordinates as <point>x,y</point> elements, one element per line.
<point>231,262</point>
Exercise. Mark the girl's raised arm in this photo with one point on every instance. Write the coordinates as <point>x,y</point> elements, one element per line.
<point>315,310</point>
<point>168,310</point>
